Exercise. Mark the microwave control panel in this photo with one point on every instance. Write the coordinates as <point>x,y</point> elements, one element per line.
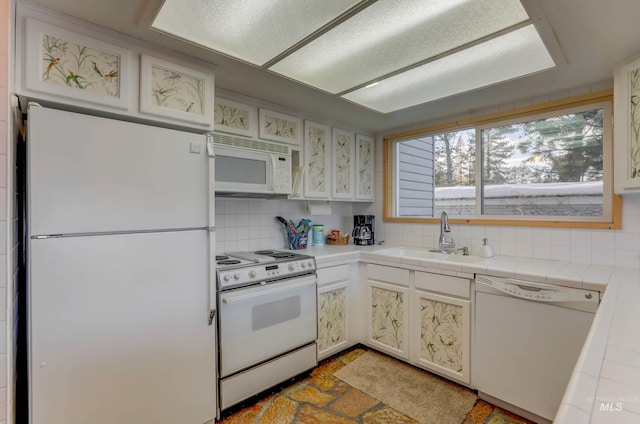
<point>282,177</point>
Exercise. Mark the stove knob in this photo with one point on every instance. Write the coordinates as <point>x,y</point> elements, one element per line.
<point>310,264</point>
<point>303,265</point>
<point>252,273</point>
<point>291,267</point>
<point>227,277</point>
<point>236,276</point>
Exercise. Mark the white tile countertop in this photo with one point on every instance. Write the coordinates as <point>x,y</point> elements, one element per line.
<point>605,385</point>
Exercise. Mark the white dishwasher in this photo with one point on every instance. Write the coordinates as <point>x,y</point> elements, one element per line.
<point>526,342</point>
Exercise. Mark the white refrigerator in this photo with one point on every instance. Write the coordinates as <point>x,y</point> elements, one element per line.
<point>120,282</point>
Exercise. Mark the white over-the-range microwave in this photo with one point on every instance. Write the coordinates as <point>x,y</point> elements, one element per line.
<point>251,168</point>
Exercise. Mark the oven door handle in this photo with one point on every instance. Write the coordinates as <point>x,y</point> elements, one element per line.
<point>241,297</point>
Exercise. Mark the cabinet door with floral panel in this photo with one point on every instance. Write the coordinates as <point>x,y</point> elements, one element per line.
<point>389,318</point>
<point>317,160</point>
<point>343,164</point>
<point>332,319</point>
<point>627,126</point>
<point>74,68</point>
<point>364,168</point>
<point>443,331</point>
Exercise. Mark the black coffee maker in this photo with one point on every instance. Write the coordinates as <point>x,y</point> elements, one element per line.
<point>363,230</point>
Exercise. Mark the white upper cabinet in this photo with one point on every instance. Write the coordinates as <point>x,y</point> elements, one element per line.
<point>364,168</point>
<point>343,164</point>
<point>317,160</point>
<point>74,68</point>
<point>338,164</point>
<point>627,126</point>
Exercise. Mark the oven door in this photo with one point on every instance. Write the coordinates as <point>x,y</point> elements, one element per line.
<point>262,322</point>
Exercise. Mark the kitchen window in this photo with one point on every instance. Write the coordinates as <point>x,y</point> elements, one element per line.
<point>548,165</point>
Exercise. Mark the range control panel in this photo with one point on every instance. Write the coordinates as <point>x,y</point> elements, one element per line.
<point>257,273</point>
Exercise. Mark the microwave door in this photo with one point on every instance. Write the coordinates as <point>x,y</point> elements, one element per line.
<point>242,171</point>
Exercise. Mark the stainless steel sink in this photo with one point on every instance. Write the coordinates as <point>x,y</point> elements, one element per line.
<point>417,252</point>
<point>444,253</point>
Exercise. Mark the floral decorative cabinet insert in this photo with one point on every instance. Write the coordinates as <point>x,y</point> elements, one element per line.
<point>175,91</point>
<point>332,311</point>
<point>74,66</point>
<point>317,153</point>
<point>235,118</point>
<point>442,334</point>
<point>343,164</point>
<point>627,126</point>
<point>334,297</point>
<point>389,318</point>
<point>281,127</point>
<point>441,325</point>
<point>364,168</point>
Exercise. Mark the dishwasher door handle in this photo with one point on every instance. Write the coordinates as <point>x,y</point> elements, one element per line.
<point>529,288</point>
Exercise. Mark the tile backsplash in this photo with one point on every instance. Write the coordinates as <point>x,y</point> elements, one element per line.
<point>600,247</point>
<point>250,224</point>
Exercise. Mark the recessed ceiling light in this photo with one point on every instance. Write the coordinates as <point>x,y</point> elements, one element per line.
<point>391,35</point>
<point>509,56</point>
<point>253,31</point>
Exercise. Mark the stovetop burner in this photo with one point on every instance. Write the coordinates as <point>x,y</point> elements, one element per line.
<point>274,254</point>
<point>228,261</point>
<point>221,257</point>
<point>263,252</point>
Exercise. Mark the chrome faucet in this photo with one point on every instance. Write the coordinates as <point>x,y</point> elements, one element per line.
<point>445,243</point>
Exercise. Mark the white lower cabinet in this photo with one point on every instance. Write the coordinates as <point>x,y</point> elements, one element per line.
<point>332,319</point>
<point>441,325</point>
<point>388,309</point>
<point>334,333</point>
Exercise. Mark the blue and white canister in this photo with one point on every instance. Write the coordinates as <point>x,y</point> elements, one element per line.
<point>318,234</point>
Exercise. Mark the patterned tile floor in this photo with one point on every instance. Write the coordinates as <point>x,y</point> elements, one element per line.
<point>321,398</point>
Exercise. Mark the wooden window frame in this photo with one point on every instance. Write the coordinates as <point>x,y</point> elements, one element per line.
<point>388,190</point>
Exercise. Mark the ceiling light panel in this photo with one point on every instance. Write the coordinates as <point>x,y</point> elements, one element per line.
<point>391,35</point>
<point>254,31</point>
<point>509,56</point>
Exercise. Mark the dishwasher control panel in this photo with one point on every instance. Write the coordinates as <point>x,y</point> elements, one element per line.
<point>573,298</point>
<point>529,292</point>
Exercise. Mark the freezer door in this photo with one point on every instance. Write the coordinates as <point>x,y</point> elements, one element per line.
<point>92,174</point>
<point>119,330</point>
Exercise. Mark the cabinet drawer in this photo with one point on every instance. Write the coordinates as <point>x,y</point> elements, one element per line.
<point>388,274</point>
<point>443,284</point>
<point>333,274</point>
